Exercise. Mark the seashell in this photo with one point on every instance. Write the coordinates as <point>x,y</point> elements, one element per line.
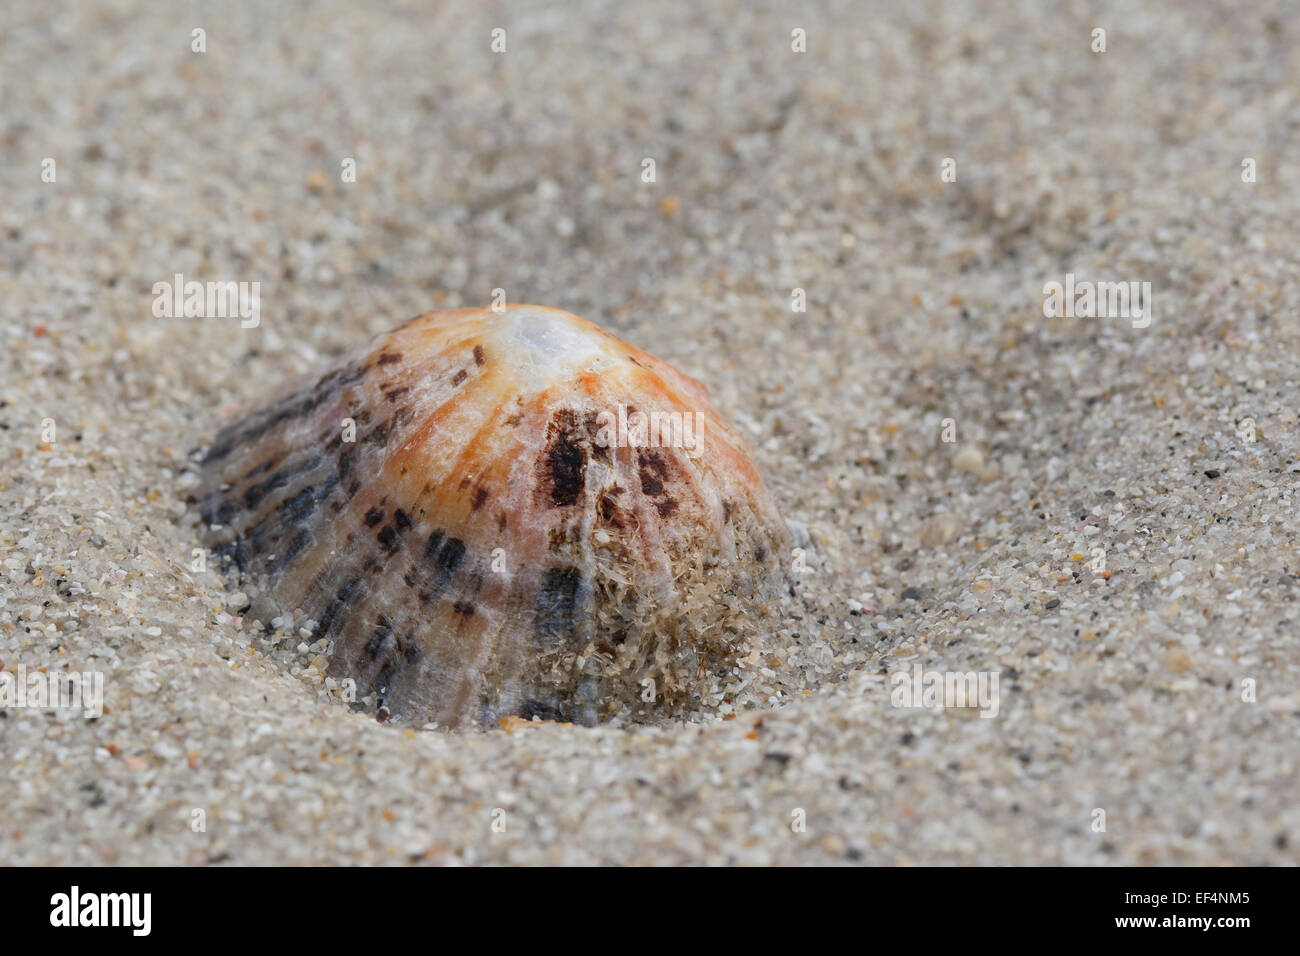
<point>481,513</point>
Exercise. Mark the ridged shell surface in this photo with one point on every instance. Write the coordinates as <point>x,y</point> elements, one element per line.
<point>504,513</point>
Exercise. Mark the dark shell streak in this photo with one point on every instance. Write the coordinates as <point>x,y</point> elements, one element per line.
<point>447,505</point>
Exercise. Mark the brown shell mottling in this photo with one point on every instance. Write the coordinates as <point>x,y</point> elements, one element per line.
<point>480,549</point>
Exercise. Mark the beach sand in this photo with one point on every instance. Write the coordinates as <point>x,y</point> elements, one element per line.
<point>1102,533</point>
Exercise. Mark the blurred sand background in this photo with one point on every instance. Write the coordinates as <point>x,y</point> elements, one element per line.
<point>774,170</point>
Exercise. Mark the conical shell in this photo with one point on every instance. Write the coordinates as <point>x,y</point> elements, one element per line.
<point>481,523</point>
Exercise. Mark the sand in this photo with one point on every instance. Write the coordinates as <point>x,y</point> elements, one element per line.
<point>1102,533</point>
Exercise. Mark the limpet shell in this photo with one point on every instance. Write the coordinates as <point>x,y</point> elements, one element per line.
<point>478,534</point>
